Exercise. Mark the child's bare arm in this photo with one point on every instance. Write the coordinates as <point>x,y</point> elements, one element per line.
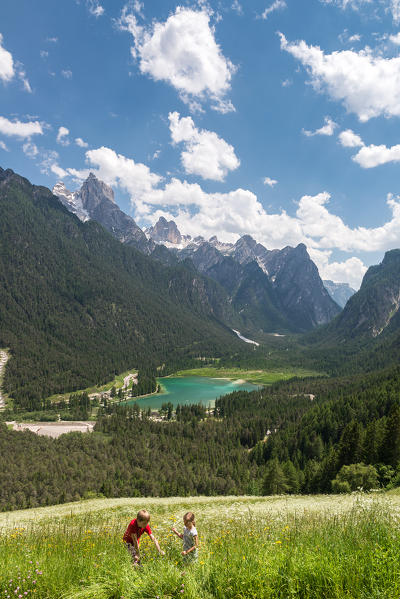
<point>156,543</point>
<point>195,546</point>
<point>178,534</point>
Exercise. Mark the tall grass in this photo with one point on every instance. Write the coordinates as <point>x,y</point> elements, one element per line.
<point>353,554</point>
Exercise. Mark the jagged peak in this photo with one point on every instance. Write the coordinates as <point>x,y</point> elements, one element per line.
<point>246,239</point>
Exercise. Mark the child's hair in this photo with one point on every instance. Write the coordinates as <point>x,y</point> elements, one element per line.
<point>143,515</point>
<point>189,516</point>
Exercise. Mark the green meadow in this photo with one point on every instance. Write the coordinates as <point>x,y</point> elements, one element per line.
<point>260,377</point>
<point>250,547</point>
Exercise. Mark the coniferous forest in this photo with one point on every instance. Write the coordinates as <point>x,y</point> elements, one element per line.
<point>78,307</point>
<point>277,440</point>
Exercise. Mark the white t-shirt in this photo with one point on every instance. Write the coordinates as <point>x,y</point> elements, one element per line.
<point>188,540</point>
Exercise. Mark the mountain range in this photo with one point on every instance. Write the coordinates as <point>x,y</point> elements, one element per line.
<point>271,291</point>
<point>78,304</point>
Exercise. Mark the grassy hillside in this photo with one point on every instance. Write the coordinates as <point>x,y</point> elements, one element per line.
<point>277,547</point>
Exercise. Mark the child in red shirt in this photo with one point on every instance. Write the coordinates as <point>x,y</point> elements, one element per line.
<point>136,528</point>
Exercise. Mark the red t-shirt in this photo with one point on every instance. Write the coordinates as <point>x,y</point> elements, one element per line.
<point>133,528</point>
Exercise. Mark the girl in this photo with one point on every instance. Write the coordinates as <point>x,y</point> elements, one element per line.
<point>190,537</point>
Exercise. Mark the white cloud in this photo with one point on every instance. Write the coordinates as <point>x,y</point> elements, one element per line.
<point>67,73</point>
<point>62,136</point>
<point>22,76</point>
<point>349,139</point>
<point>138,7</point>
<point>79,142</point>
<point>58,171</point>
<point>394,7</point>
<point>372,156</point>
<point>349,271</point>
<point>3,146</point>
<point>30,150</point>
<point>205,153</point>
<point>6,63</point>
<point>343,4</point>
<point>395,39</point>
<point>115,169</point>
<point>95,8</point>
<point>49,165</point>
<point>19,129</point>
<point>9,69</point>
<point>270,182</point>
<point>277,5</point>
<point>237,7</point>
<point>287,82</point>
<point>183,52</point>
<point>52,40</point>
<point>367,84</point>
<point>327,129</point>
<point>44,53</point>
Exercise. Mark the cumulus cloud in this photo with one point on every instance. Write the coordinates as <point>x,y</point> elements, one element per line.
<point>327,129</point>
<point>62,136</point>
<point>79,142</point>
<point>66,73</point>
<point>3,146</point>
<point>205,153</point>
<point>270,182</point>
<point>349,271</point>
<point>183,52</point>
<point>20,129</point>
<point>349,139</point>
<point>277,5</point>
<point>30,150</point>
<point>118,170</point>
<point>367,84</point>
<point>6,63</point>
<point>372,155</point>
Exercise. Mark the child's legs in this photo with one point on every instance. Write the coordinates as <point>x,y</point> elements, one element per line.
<point>132,550</point>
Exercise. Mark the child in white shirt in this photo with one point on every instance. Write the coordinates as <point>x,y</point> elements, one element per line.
<point>189,537</point>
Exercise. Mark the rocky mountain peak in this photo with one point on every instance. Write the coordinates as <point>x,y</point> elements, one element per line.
<point>71,200</point>
<point>95,200</point>
<point>165,231</point>
<point>93,192</point>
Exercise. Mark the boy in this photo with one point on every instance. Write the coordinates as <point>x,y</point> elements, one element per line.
<point>136,528</point>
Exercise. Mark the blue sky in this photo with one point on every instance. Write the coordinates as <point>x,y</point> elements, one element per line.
<point>279,119</point>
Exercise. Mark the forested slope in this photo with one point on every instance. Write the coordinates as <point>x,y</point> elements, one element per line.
<point>76,306</point>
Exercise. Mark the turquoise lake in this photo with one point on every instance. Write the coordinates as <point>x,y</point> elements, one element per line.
<point>191,390</point>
